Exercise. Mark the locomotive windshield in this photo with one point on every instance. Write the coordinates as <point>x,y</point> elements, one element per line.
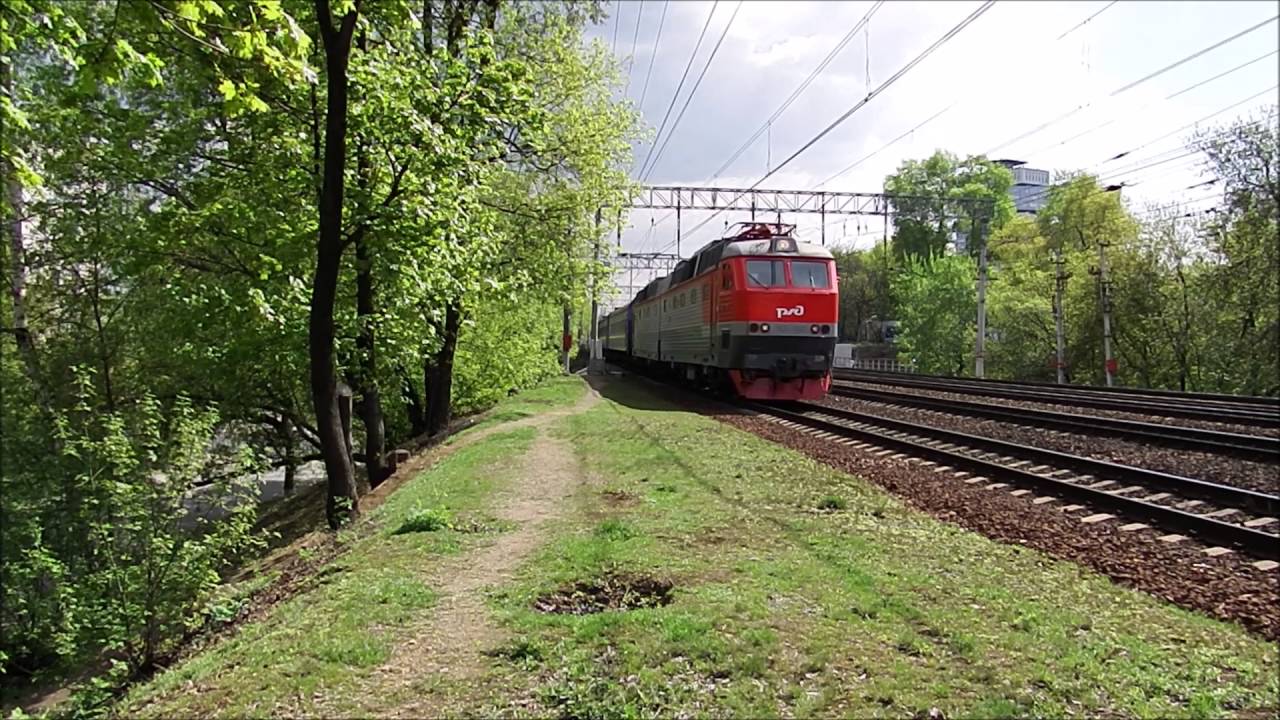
<point>809,274</point>
<point>766,273</point>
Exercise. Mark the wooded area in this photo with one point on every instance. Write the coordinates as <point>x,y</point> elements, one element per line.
<point>1194,297</point>
<point>230,226</point>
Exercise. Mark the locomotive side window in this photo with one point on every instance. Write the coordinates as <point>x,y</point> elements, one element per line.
<point>766,273</point>
<point>809,274</point>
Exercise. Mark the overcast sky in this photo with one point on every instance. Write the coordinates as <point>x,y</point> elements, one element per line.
<point>1004,75</point>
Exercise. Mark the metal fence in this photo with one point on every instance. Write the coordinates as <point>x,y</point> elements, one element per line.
<point>877,364</point>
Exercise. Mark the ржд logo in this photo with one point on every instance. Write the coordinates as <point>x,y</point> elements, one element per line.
<point>797,311</point>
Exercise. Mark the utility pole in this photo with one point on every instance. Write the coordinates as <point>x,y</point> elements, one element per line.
<point>1059,288</point>
<point>980,345</point>
<point>1109,362</point>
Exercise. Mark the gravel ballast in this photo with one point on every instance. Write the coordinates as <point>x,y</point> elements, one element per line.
<point>1236,472</point>
<point>1228,587</point>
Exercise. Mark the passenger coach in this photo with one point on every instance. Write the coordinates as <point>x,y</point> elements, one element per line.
<point>754,312</point>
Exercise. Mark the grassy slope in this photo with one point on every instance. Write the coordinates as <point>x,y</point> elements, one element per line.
<point>327,639</point>
<point>872,610</point>
<point>867,611</point>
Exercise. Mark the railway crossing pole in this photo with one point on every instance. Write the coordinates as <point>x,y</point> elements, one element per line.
<point>1059,289</point>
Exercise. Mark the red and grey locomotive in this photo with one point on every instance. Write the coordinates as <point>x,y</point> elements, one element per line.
<point>754,311</point>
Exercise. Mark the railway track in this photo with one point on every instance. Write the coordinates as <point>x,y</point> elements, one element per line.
<point>1231,516</point>
<point>1255,412</point>
<point>1249,447</point>
<point>1247,400</point>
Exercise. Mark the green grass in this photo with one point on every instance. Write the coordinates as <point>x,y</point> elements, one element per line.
<point>873,611</point>
<point>553,393</point>
<point>332,636</point>
<point>861,609</point>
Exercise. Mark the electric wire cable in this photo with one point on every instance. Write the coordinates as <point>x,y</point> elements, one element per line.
<point>680,116</point>
<point>863,103</point>
<point>676,96</point>
<point>1129,86</point>
<point>662,21</point>
<point>631,59</point>
<point>866,18</point>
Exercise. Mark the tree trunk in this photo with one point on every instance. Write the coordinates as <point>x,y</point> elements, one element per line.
<point>413,405</point>
<point>439,373</point>
<point>18,262</point>
<point>342,501</point>
<point>370,407</point>
<point>288,446</point>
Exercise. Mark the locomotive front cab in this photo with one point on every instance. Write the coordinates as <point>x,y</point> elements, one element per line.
<point>778,309</point>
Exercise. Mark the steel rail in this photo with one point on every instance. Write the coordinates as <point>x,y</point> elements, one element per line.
<point>1242,400</point>
<point>1256,542</point>
<point>1249,447</point>
<point>1258,417</point>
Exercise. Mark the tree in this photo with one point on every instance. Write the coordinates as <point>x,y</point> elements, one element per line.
<point>864,290</point>
<point>936,308</point>
<point>928,204</point>
<point>1243,281</point>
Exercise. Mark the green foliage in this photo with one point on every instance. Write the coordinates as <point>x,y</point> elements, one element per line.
<point>121,557</point>
<point>1193,299</point>
<point>167,158</point>
<point>864,290</point>
<point>936,309</point>
<point>929,210</point>
<point>426,520</point>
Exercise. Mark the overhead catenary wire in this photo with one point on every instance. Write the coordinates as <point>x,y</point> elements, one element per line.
<point>870,96</point>
<point>1095,128</point>
<point>617,20</point>
<point>1127,87</point>
<point>765,127</point>
<point>676,95</point>
<point>839,46</point>
<point>631,59</point>
<point>877,151</point>
<point>953,104</point>
<point>1086,21</point>
<point>657,43</point>
<point>1194,55</point>
<point>675,125</point>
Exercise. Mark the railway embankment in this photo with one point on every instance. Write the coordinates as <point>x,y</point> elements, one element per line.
<point>609,552</point>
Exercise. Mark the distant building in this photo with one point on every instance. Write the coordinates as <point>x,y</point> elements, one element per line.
<point>1030,186</point>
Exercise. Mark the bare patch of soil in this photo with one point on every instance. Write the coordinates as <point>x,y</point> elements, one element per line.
<point>621,591</point>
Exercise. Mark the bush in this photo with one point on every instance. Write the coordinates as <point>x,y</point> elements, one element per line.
<point>111,555</point>
<point>426,520</point>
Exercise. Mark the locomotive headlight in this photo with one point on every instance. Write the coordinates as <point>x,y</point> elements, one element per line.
<point>755,327</point>
<point>826,329</point>
<point>764,327</point>
<point>813,329</point>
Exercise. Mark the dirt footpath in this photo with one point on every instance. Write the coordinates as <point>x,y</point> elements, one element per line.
<point>447,649</point>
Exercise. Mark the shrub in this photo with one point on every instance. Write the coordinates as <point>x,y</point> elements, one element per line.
<point>116,557</point>
<point>426,520</point>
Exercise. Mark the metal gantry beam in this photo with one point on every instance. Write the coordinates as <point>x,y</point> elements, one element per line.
<point>820,202</point>
<point>683,197</point>
<point>650,265</point>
